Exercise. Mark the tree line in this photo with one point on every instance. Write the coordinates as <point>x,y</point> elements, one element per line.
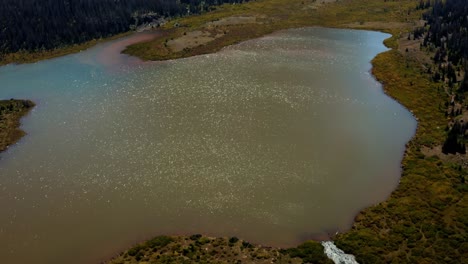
<point>35,25</point>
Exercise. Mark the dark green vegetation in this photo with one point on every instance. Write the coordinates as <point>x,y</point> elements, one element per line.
<point>309,252</point>
<point>446,36</point>
<point>446,32</point>
<point>11,112</point>
<point>201,249</point>
<point>38,25</point>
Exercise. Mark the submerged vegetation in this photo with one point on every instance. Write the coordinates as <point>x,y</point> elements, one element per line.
<point>425,220</point>
<point>11,112</point>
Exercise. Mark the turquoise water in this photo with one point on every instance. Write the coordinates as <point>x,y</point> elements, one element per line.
<point>275,140</point>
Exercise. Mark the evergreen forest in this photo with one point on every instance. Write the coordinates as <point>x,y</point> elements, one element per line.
<point>37,25</point>
<point>446,35</point>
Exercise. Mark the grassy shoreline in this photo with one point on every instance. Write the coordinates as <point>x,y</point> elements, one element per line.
<point>425,219</point>
<point>203,249</point>
<point>11,111</point>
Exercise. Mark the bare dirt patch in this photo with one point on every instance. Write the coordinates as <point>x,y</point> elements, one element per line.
<point>460,159</point>
<point>412,47</point>
<point>378,24</point>
<point>234,20</point>
<point>211,31</point>
<point>193,39</point>
<point>317,3</point>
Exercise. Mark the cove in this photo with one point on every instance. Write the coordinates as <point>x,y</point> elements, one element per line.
<point>275,140</point>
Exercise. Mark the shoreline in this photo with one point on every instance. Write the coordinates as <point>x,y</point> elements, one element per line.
<point>32,57</point>
<point>390,230</point>
<point>11,112</point>
<point>205,249</point>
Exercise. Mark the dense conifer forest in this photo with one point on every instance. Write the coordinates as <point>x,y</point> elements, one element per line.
<point>446,34</point>
<point>35,25</point>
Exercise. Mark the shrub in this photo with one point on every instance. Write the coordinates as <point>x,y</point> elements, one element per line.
<point>309,252</point>
<point>195,237</point>
<point>134,251</point>
<point>233,240</point>
<point>159,242</point>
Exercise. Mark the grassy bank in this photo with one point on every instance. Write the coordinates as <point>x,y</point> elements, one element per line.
<point>201,249</point>
<point>11,112</point>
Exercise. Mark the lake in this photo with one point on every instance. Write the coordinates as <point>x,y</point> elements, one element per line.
<point>275,140</point>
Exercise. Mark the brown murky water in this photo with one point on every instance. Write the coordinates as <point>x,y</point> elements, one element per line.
<point>275,140</point>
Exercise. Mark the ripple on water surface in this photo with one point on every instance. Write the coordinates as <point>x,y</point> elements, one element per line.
<point>275,140</point>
